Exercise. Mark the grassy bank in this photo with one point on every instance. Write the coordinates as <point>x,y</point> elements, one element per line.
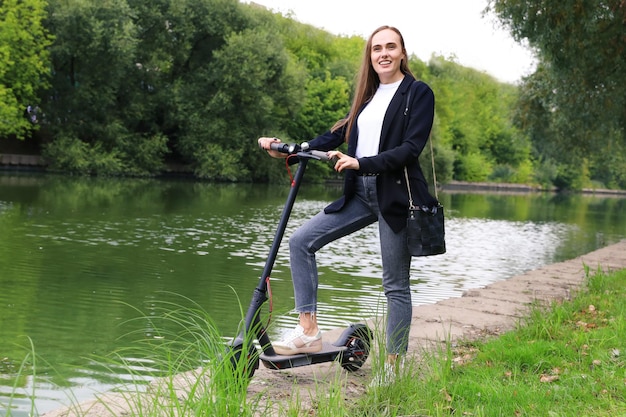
<point>564,360</point>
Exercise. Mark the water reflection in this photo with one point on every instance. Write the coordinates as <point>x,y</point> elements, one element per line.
<point>81,259</point>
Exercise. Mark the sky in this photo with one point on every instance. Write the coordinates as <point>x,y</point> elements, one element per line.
<point>451,28</point>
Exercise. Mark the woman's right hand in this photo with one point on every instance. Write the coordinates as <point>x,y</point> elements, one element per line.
<point>264,143</point>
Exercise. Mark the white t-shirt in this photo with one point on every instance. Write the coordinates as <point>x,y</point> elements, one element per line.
<point>370,121</point>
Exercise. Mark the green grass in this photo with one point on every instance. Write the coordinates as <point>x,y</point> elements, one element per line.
<point>566,359</point>
<point>27,366</point>
<point>197,374</point>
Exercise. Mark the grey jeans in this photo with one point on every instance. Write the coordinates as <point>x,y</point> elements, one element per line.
<point>321,229</point>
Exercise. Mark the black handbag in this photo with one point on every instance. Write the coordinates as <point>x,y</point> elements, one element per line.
<point>425,229</point>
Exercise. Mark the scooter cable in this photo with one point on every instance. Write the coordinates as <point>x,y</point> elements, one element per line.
<point>271,300</point>
<point>291,180</point>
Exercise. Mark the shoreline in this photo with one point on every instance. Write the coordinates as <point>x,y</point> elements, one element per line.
<point>35,163</point>
<point>462,186</point>
<point>478,314</point>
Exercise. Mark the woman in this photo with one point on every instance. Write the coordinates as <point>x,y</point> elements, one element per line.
<point>382,141</point>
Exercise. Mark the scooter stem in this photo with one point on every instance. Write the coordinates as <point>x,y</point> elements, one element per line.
<point>251,320</point>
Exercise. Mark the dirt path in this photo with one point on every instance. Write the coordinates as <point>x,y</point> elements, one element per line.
<point>487,311</point>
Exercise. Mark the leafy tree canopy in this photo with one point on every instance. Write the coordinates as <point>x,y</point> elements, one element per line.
<point>141,86</point>
<point>24,64</point>
<point>574,105</point>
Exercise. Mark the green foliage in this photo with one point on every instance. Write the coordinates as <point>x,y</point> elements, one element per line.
<point>502,173</point>
<point>545,172</point>
<point>571,176</point>
<point>134,155</point>
<point>472,167</point>
<point>92,53</point>
<point>573,105</point>
<point>24,63</point>
<point>328,100</point>
<point>216,163</point>
<point>565,360</point>
<point>250,92</point>
<point>473,121</point>
<point>188,353</point>
<point>195,82</point>
<point>524,173</point>
<point>142,155</point>
<point>70,154</point>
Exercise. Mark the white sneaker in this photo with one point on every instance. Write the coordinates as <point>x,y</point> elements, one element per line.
<point>298,342</point>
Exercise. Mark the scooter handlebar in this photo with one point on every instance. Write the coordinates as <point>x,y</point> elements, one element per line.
<point>301,150</point>
<point>283,147</point>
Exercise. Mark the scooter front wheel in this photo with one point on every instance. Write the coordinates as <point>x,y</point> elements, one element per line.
<point>243,366</point>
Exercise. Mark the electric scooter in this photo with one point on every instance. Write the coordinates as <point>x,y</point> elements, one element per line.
<point>352,347</point>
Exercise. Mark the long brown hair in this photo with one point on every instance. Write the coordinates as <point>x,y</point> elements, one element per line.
<point>368,81</point>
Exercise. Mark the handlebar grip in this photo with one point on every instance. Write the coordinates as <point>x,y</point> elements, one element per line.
<point>281,147</point>
<point>321,155</point>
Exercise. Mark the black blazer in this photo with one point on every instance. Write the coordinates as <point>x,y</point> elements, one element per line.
<point>398,148</point>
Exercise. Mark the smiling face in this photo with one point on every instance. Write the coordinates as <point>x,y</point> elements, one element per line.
<point>386,55</point>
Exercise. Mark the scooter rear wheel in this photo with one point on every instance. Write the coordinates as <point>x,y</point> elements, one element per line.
<point>357,348</point>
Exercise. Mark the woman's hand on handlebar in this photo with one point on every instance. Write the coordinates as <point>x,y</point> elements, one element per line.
<point>264,143</point>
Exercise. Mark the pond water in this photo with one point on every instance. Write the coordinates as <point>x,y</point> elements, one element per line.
<point>82,258</point>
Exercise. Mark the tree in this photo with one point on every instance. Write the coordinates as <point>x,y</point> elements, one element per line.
<point>24,64</point>
<point>473,121</point>
<point>578,93</point>
<point>94,107</point>
<point>137,84</point>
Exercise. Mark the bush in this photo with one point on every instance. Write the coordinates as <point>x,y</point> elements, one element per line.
<point>502,173</point>
<point>74,156</point>
<point>472,167</point>
<point>67,154</point>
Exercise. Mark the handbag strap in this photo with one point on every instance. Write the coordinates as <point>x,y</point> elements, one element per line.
<point>432,154</point>
<point>406,175</point>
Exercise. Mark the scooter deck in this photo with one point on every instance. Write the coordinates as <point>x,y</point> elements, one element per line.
<point>328,353</point>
